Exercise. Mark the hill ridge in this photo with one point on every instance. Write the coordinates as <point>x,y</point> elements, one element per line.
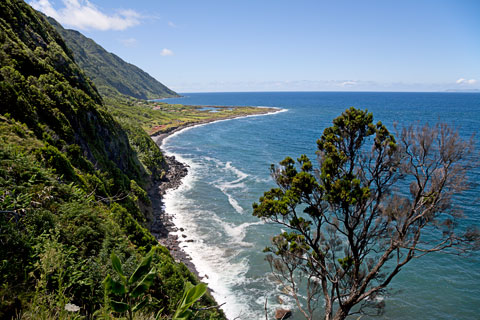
<point>111,74</point>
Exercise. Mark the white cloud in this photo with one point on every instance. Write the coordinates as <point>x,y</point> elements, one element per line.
<point>130,42</point>
<point>348,83</point>
<point>84,15</point>
<point>171,24</point>
<point>166,52</point>
<point>465,81</point>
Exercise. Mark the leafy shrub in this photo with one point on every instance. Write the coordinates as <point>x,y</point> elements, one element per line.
<point>54,159</point>
<point>136,233</point>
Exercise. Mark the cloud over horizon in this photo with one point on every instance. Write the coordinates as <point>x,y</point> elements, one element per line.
<point>465,81</point>
<point>348,83</point>
<point>84,15</point>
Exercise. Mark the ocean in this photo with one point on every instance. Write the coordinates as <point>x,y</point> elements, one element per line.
<point>229,165</point>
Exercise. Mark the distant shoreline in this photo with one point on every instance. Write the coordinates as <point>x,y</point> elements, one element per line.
<point>162,225</point>
<point>158,137</point>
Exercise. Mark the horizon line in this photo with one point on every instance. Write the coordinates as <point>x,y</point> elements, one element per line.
<point>335,91</point>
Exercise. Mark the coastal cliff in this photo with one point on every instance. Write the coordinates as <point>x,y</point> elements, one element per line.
<point>72,181</point>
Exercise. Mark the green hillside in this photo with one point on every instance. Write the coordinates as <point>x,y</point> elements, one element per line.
<point>72,186</point>
<point>110,73</point>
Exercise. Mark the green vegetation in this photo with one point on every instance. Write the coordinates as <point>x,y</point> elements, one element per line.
<point>190,296</point>
<point>159,117</point>
<point>133,291</point>
<point>111,75</point>
<point>72,185</point>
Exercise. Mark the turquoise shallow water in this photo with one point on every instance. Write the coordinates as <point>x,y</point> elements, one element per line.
<point>229,170</point>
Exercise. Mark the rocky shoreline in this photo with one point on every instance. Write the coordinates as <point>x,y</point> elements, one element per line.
<point>162,225</point>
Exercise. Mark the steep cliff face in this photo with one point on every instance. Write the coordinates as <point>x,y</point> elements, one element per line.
<point>41,86</point>
<point>110,73</point>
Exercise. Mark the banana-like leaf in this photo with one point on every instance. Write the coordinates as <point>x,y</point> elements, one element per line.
<point>140,305</point>
<point>190,295</point>
<point>117,265</point>
<point>195,293</point>
<point>143,286</point>
<point>181,305</point>
<point>119,306</point>
<point>185,315</point>
<point>143,268</point>
<point>112,286</point>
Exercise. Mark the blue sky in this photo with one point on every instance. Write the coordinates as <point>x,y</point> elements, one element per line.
<point>278,45</point>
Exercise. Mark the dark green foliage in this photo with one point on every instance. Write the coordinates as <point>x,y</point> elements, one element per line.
<point>130,294</point>
<point>40,204</point>
<point>148,152</point>
<point>41,86</point>
<point>136,233</point>
<point>111,75</point>
<point>139,194</point>
<point>56,160</point>
<point>83,227</point>
<point>77,158</point>
<point>15,246</point>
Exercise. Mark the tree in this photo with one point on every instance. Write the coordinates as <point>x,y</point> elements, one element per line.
<point>351,229</point>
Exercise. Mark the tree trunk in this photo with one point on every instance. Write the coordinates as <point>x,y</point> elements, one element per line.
<point>341,314</point>
<point>328,309</point>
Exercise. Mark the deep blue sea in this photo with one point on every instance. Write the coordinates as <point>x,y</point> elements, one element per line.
<point>229,169</point>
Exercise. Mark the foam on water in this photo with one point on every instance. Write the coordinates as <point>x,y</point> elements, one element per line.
<point>239,173</point>
<point>227,167</point>
<point>234,203</point>
<point>219,264</point>
<point>213,261</point>
<point>224,184</point>
<point>238,232</point>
